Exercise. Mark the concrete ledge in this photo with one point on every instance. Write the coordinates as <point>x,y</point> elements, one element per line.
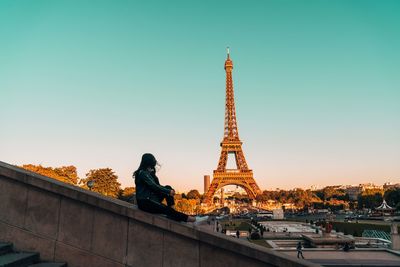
<point>83,228</point>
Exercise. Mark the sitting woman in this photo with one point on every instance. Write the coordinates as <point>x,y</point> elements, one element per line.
<point>150,194</point>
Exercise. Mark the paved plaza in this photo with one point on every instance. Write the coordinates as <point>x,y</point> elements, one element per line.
<point>351,258</point>
<point>292,227</point>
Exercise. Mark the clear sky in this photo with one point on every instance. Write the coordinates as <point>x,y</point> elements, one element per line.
<point>97,83</point>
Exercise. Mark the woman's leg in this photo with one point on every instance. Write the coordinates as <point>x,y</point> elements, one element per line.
<point>155,207</point>
<point>170,199</point>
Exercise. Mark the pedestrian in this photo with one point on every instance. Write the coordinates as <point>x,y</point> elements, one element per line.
<point>237,234</point>
<point>299,250</point>
<point>150,194</point>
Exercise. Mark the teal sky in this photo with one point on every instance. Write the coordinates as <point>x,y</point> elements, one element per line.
<point>97,83</point>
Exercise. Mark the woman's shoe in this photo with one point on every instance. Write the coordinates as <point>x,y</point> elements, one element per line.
<point>200,219</point>
<point>191,219</point>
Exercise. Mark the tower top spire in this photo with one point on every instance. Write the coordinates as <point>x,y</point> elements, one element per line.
<point>228,61</point>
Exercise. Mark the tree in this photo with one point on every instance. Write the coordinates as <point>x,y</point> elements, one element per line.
<point>69,173</point>
<point>105,182</point>
<point>178,197</point>
<point>332,192</point>
<point>66,174</point>
<point>264,197</point>
<point>237,196</point>
<point>127,193</point>
<point>370,199</point>
<point>188,206</point>
<point>193,194</point>
<point>392,197</point>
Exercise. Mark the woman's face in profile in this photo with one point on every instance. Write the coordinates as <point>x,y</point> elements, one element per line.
<point>155,168</point>
<point>152,168</point>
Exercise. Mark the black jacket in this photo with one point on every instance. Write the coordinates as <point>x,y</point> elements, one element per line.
<point>148,186</point>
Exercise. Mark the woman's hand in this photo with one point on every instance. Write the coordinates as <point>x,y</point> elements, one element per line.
<point>172,192</point>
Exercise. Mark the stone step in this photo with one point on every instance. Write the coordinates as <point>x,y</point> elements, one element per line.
<point>22,259</point>
<point>49,264</point>
<point>5,248</point>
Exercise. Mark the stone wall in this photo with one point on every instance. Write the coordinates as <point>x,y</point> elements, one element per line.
<point>68,224</point>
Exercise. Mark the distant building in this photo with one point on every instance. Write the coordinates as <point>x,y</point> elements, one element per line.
<point>369,186</point>
<point>388,186</point>
<point>353,192</point>
<point>315,187</point>
<point>277,214</point>
<point>206,183</point>
<point>384,209</point>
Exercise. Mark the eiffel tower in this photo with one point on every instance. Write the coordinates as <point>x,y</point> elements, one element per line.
<point>241,176</point>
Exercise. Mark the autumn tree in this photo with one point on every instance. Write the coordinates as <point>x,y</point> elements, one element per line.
<point>188,206</point>
<point>262,198</point>
<point>193,194</point>
<point>69,173</point>
<point>331,192</point>
<point>105,182</point>
<point>127,193</point>
<point>178,196</point>
<point>237,196</point>
<point>66,174</point>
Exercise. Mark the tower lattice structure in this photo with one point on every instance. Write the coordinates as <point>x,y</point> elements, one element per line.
<point>241,176</point>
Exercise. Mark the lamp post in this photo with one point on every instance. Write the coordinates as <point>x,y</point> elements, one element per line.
<point>90,184</point>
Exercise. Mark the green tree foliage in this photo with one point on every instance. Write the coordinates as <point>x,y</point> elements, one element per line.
<point>392,197</point>
<point>66,174</point>
<point>193,194</point>
<point>105,182</point>
<point>370,199</point>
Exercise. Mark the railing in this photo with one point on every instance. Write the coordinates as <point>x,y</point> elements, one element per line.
<point>376,234</point>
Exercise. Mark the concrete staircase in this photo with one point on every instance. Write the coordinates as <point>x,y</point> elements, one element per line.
<point>11,258</point>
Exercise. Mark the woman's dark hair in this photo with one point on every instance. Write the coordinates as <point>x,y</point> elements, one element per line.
<point>148,161</point>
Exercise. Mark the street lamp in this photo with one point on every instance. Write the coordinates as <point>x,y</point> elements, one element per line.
<point>90,184</point>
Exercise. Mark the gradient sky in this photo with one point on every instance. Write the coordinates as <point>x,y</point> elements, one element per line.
<point>97,83</point>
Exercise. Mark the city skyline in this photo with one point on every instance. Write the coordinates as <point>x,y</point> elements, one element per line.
<point>97,85</point>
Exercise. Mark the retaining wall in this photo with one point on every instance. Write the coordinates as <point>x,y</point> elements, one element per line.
<point>68,224</point>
